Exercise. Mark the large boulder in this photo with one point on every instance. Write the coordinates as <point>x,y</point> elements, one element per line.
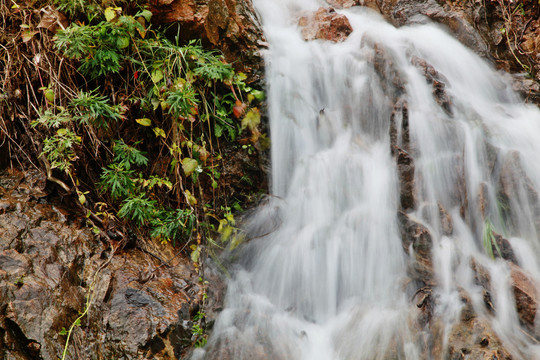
<point>325,24</point>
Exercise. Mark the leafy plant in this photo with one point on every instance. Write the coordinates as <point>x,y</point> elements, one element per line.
<point>118,180</point>
<point>197,330</point>
<point>58,149</point>
<point>52,119</point>
<point>182,102</point>
<point>75,8</point>
<point>138,208</point>
<point>101,48</point>
<point>92,108</point>
<point>126,156</point>
<point>169,225</point>
<point>490,240</point>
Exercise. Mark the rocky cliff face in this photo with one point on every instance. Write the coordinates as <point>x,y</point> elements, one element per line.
<point>138,304</point>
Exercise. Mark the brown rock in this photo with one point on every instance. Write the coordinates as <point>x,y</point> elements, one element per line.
<point>526,295</point>
<point>140,306</point>
<point>437,81</point>
<point>391,79</point>
<point>229,25</point>
<point>475,339</point>
<point>343,4</point>
<point>325,24</point>
<point>447,224</point>
<point>417,237</point>
<point>405,165</point>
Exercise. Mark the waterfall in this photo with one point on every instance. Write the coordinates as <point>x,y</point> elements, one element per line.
<point>404,196</point>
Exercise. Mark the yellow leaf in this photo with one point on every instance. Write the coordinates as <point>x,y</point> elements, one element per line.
<point>144,121</point>
<point>159,132</point>
<point>195,253</point>
<point>252,119</point>
<point>82,198</point>
<point>110,14</point>
<point>189,165</point>
<point>142,33</point>
<point>192,200</point>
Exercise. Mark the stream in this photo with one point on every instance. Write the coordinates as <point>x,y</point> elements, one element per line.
<point>404,201</point>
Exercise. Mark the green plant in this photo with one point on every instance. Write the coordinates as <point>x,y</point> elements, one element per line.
<point>118,180</point>
<point>490,240</point>
<point>92,108</point>
<point>51,119</point>
<point>58,149</point>
<point>126,156</point>
<point>197,330</point>
<point>138,208</point>
<point>182,102</point>
<point>102,48</point>
<point>19,281</point>
<point>74,8</point>
<point>168,225</point>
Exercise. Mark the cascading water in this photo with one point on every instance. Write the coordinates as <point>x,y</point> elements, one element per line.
<point>394,154</point>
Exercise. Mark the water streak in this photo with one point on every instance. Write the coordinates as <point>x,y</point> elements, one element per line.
<point>332,279</point>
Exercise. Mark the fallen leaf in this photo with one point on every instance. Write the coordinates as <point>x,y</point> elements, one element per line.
<point>27,35</point>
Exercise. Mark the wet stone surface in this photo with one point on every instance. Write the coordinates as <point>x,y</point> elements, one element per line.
<point>50,266</point>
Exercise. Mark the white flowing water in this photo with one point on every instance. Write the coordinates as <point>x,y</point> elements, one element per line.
<point>327,275</point>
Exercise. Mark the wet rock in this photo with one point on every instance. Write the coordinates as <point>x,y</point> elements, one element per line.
<point>526,295</point>
<point>230,25</point>
<point>446,221</point>
<point>437,81</point>
<point>391,79</point>
<point>406,12</point>
<point>50,268</point>
<point>325,24</point>
<point>343,4</point>
<point>405,164</point>
<point>503,249</point>
<point>515,191</point>
<point>417,238</point>
<point>475,339</point>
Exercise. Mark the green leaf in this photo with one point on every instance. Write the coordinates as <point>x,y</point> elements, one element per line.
<point>144,121</point>
<point>195,253</point>
<point>190,198</point>
<point>122,42</point>
<point>145,14</point>
<point>259,95</point>
<point>49,94</point>
<point>189,165</point>
<point>157,75</point>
